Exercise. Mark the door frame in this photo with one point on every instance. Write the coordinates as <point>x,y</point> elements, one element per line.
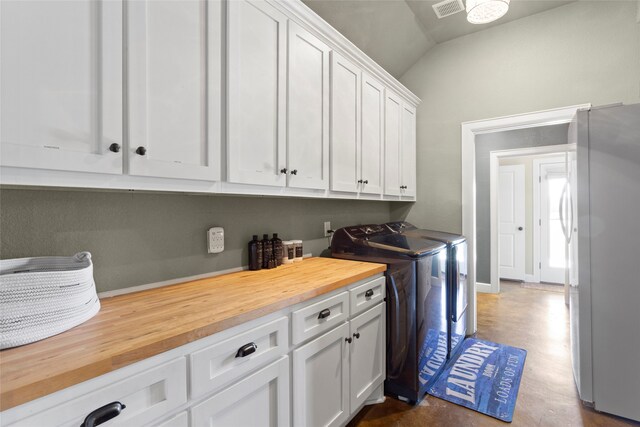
<point>521,168</point>
<point>494,171</point>
<point>469,130</point>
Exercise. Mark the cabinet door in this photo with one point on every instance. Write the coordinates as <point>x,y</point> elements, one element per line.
<point>61,85</point>
<point>261,399</point>
<point>174,66</point>
<point>372,135</point>
<point>367,360</point>
<point>308,110</point>
<point>345,124</point>
<point>408,151</point>
<point>321,380</point>
<point>256,93</point>
<point>392,119</point>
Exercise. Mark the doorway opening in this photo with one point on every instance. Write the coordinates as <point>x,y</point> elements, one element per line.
<point>469,133</point>
<point>530,191</point>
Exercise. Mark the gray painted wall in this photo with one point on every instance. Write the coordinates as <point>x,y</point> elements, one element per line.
<point>578,53</point>
<point>139,238</point>
<point>485,144</point>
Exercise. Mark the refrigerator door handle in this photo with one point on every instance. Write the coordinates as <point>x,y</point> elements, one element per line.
<point>561,210</point>
<point>571,218</point>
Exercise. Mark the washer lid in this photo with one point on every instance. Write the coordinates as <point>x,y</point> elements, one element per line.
<point>407,245</point>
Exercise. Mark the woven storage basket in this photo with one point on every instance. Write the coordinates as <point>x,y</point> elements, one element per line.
<point>41,297</point>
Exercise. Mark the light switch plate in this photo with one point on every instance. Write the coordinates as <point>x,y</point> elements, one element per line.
<point>215,240</point>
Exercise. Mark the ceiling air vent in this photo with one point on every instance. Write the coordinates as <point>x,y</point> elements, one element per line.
<point>448,7</point>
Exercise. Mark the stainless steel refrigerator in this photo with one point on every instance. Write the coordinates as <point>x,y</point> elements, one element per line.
<point>604,292</point>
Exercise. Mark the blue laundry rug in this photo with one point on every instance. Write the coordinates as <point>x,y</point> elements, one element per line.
<point>483,376</point>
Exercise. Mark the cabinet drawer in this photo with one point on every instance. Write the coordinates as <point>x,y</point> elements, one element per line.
<point>147,396</point>
<point>316,318</point>
<point>221,363</point>
<point>367,295</point>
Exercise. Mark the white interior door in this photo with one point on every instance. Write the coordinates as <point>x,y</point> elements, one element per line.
<point>308,110</point>
<point>174,68</point>
<point>553,180</point>
<point>511,220</point>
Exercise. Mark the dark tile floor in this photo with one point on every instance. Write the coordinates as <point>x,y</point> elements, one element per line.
<point>533,319</point>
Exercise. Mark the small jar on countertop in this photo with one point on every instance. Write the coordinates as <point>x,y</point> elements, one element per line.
<point>289,252</point>
<point>297,244</point>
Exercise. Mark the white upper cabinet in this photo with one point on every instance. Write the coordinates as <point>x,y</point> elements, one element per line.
<point>256,78</point>
<point>174,88</point>
<point>308,110</point>
<point>408,138</point>
<point>61,96</point>
<point>345,124</point>
<point>372,151</point>
<point>393,109</point>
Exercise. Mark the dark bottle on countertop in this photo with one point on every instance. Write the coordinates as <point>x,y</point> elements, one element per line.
<point>255,253</point>
<point>267,251</point>
<point>278,250</point>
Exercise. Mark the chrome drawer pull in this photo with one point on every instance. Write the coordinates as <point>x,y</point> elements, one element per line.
<point>247,349</point>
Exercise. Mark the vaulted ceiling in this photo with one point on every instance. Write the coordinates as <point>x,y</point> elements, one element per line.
<point>396,33</point>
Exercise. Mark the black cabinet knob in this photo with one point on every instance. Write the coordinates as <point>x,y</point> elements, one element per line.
<point>324,314</point>
<point>357,335</point>
<point>283,170</point>
<point>366,181</point>
<point>114,147</point>
<point>520,228</point>
<point>294,172</point>
<point>247,349</point>
<point>349,340</point>
<point>103,414</point>
<point>141,151</point>
<point>369,293</point>
<point>359,181</point>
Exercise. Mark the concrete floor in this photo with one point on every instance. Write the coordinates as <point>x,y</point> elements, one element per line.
<point>533,319</point>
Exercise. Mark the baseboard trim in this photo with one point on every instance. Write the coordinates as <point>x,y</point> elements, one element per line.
<point>530,278</point>
<point>483,288</point>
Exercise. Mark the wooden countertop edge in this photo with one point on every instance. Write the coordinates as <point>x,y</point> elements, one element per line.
<point>10,398</point>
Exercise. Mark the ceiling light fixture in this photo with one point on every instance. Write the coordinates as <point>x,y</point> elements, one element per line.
<point>485,11</point>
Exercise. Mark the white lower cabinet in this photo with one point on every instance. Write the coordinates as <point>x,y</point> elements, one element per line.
<point>180,420</point>
<point>335,374</point>
<point>261,399</point>
<point>321,380</point>
<point>367,354</point>
<point>243,376</point>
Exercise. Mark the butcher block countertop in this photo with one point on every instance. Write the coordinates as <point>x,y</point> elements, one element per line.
<point>135,326</point>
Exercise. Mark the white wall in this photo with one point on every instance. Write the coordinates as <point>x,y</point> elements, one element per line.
<point>587,51</point>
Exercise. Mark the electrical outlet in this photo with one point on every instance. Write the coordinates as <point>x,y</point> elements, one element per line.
<point>327,227</point>
<point>215,240</point>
